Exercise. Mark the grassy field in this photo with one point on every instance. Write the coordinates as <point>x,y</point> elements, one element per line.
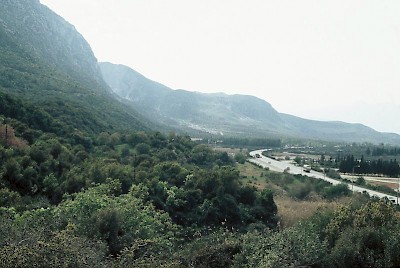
<point>290,210</point>
<point>253,175</point>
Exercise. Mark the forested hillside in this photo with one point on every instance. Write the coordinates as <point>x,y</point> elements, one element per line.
<point>46,64</point>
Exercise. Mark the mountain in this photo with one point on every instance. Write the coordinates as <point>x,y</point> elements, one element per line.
<point>50,78</point>
<point>45,64</point>
<point>337,131</point>
<point>47,36</point>
<point>208,113</point>
<point>224,114</point>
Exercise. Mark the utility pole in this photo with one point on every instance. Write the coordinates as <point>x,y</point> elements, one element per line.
<point>6,139</point>
<point>134,169</point>
<point>352,182</point>
<point>398,189</point>
<point>6,133</point>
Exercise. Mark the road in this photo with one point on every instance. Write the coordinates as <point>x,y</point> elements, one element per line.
<point>280,166</point>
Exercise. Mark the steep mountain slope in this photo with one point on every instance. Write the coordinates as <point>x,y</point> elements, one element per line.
<point>47,36</point>
<point>227,114</point>
<point>47,64</point>
<point>208,113</point>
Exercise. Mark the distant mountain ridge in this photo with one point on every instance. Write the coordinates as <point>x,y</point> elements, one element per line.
<point>220,113</point>
<point>185,109</point>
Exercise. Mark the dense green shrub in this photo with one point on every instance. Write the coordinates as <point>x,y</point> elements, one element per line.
<point>335,191</point>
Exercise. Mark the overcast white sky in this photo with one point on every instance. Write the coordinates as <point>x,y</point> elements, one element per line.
<point>329,60</point>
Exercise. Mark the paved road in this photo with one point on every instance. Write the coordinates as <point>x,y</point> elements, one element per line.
<point>280,166</point>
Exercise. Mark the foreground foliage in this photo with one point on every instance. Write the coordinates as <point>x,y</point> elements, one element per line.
<point>149,200</point>
<point>123,200</point>
<point>350,236</point>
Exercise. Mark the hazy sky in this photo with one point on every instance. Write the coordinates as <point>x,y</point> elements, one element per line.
<point>330,60</point>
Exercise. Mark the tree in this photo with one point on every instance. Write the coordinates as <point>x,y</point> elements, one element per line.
<point>296,246</point>
<point>142,148</point>
<point>298,160</point>
<point>240,158</point>
<point>118,220</point>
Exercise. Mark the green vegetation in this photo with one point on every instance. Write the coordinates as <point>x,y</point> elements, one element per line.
<point>350,164</point>
<point>48,77</point>
<point>382,150</point>
<point>84,182</point>
<point>326,238</point>
<point>149,200</point>
<point>350,236</point>
<point>348,159</point>
<point>124,197</point>
<point>297,187</point>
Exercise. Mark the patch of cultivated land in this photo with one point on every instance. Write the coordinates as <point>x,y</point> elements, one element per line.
<point>376,180</point>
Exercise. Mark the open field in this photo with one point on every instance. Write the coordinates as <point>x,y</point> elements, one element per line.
<point>257,177</point>
<point>252,175</point>
<point>231,151</point>
<point>392,183</point>
<point>290,210</point>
